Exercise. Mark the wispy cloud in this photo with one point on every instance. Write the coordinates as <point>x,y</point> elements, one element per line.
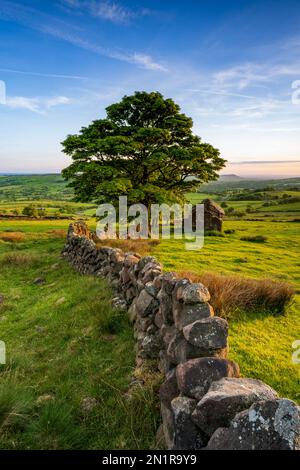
<point>244,75</point>
<point>38,104</point>
<point>48,24</point>
<point>142,60</point>
<point>257,109</point>
<point>107,10</point>
<point>220,92</point>
<point>40,74</point>
<point>146,61</point>
<point>111,11</point>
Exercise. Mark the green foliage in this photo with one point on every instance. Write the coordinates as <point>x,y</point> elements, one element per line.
<point>144,149</point>
<point>30,211</point>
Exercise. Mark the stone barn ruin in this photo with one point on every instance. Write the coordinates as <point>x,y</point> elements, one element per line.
<point>213,216</point>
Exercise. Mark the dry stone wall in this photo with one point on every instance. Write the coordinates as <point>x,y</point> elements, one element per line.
<point>204,403</point>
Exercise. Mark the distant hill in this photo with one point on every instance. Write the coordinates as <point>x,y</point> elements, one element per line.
<point>230,178</point>
<point>222,185</point>
<point>34,187</point>
<point>54,187</point>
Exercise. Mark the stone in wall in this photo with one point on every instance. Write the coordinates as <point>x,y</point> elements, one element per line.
<point>186,436</point>
<point>179,350</point>
<point>227,397</point>
<point>169,389</point>
<point>195,376</point>
<point>186,314</point>
<point>267,425</point>
<point>192,293</point>
<point>146,303</point>
<point>207,334</point>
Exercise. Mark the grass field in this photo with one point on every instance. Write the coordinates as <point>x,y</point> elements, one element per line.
<point>259,342</point>
<point>67,350</point>
<point>34,187</point>
<point>71,351</point>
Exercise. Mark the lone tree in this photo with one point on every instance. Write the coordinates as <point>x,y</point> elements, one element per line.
<point>144,149</point>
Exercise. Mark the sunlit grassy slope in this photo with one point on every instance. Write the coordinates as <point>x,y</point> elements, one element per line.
<point>260,343</point>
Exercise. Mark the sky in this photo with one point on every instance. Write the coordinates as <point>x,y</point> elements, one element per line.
<point>233,66</point>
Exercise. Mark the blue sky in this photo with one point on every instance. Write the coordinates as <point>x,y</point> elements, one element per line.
<point>229,64</point>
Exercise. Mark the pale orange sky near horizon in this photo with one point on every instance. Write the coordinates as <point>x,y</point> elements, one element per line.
<point>254,169</point>
<point>268,170</point>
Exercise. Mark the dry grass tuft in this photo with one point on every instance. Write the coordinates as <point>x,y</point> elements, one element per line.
<point>58,233</point>
<point>143,247</point>
<point>230,294</point>
<point>12,237</point>
<point>17,259</point>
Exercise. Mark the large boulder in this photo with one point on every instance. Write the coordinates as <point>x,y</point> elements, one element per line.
<point>227,397</point>
<point>266,425</point>
<point>195,376</point>
<point>207,333</point>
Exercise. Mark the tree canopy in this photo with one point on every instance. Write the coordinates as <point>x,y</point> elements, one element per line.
<point>144,149</point>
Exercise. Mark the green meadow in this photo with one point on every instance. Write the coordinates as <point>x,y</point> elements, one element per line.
<point>260,342</point>
<point>70,354</point>
<point>70,358</point>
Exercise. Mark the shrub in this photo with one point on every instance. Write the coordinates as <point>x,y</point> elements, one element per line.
<point>229,210</point>
<point>238,213</point>
<point>29,211</point>
<point>255,238</point>
<point>230,294</point>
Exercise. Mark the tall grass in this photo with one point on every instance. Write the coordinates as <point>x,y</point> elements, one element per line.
<point>143,247</point>
<point>12,237</point>
<point>231,294</point>
<point>17,259</point>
